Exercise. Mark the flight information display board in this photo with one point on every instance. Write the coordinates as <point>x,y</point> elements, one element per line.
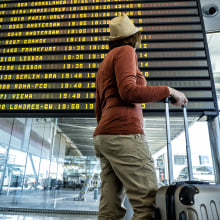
<point>50,52</point>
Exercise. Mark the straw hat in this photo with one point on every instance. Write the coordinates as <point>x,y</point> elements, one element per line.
<point>121,27</point>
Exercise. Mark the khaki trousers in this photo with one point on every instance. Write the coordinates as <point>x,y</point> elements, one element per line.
<point>126,164</point>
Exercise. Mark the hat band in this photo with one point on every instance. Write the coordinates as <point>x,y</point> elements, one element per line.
<point>124,35</point>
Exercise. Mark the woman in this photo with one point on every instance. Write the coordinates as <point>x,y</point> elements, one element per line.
<point>119,138</point>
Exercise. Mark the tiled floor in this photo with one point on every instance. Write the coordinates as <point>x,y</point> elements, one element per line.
<point>37,216</point>
<point>47,200</point>
<point>60,200</point>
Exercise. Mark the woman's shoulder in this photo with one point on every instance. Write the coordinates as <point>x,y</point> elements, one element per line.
<point>123,49</point>
<point>126,47</point>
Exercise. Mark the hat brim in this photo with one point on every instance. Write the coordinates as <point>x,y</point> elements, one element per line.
<point>113,38</point>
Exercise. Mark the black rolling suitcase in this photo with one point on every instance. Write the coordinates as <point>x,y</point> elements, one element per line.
<point>189,200</point>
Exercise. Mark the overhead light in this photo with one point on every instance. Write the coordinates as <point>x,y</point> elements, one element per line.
<point>154,129</point>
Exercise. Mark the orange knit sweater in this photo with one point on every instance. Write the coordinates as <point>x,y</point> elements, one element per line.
<point>120,90</point>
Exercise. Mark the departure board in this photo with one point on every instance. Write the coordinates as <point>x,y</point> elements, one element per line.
<point>50,52</point>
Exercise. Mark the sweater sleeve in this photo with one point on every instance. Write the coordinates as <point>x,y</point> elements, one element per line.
<point>97,107</point>
<point>126,73</point>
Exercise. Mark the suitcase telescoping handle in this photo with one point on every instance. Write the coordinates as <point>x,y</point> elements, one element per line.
<point>169,147</point>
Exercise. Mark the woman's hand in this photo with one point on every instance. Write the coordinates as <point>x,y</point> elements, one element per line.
<point>180,97</point>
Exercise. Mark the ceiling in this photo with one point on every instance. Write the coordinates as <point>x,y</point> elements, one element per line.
<point>80,130</point>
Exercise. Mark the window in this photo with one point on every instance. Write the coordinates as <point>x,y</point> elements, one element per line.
<point>180,160</point>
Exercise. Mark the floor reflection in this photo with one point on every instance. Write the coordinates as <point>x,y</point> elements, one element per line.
<point>57,199</point>
<point>43,216</point>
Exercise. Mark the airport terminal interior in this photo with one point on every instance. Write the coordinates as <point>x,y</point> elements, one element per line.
<point>48,166</point>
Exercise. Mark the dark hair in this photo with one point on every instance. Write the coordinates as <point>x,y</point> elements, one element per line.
<point>131,40</point>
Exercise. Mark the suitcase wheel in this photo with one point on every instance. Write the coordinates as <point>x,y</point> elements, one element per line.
<point>182,216</point>
<point>157,215</point>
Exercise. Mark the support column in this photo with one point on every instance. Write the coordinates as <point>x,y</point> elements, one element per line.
<point>52,149</point>
<point>214,135</point>
<point>33,167</point>
<point>25,144</point>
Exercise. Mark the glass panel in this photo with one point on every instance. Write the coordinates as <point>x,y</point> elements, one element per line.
<point>42,139</point>
<point>44,173</point>
<point>18,135</point>
<point>14,175</point>
<point>16,160</point>
<point>201,153</point>
<point>201,156</point>
<point>34,157</point>
<point>31,174</point>
<point>5,131</point>
<point>81,181</point>
<point>58,174</point>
